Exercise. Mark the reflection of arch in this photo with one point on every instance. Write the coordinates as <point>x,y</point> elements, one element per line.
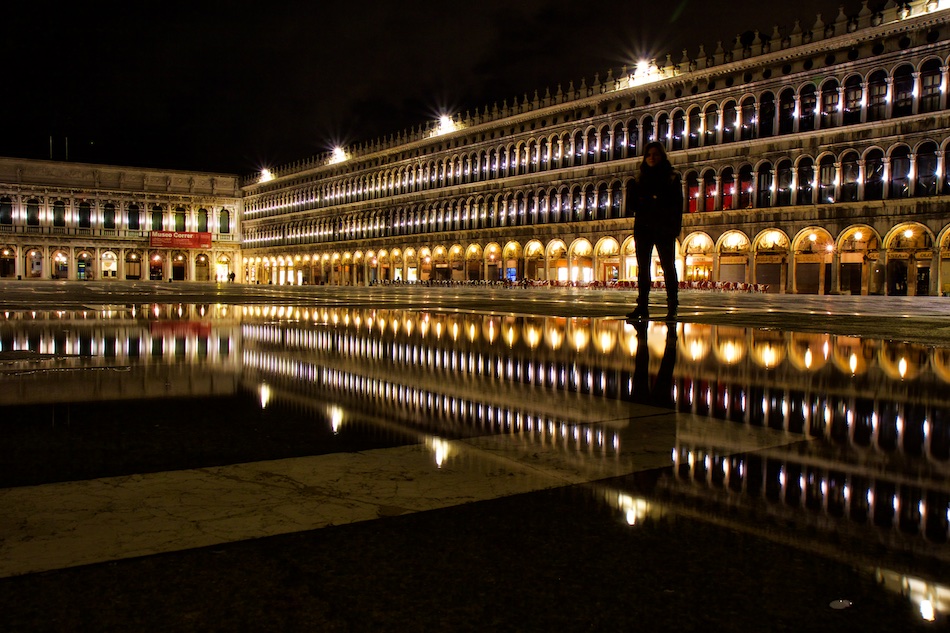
<point>768,348</point>
<point>729,345</point>
<point>902,361</point>
<point>941,363</point>
<point>809,352</point>
<point>851,354</point>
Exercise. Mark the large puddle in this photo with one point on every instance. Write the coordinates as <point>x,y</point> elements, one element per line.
<point>831,445</point>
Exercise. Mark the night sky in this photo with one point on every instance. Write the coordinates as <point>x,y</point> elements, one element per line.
<point>236,86</point>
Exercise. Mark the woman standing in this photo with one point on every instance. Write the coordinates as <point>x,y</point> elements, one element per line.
<point>657,198</point>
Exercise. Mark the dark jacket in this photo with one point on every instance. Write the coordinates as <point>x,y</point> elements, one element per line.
<point>657,198</point>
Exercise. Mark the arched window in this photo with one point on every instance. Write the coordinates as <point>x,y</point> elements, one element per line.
<point>649,134</point>
<point>852,100</point>
<point>900,173</point>
<point>826,180</point>
<point>663,129</point>
<point>829,104</point>
<point>693,192</point>
<point>926,184</point>
<point>679,130</point>
<point>589,202</point>
<point>877,96</point>
<point>850,174</point>
<point>763,186</point>
<point>578,148</point>
<point>709,191</point>
<point>930,81</point>
<point>783,183</point>
<point>874,175</point>
<point>615,199</point>
<point>591,146</point>
<point>903,91</point>
<point>806,181</point>
<point>807,107</point>
<point>618,141</point>
<point>728,182</point>
<point>202,221</point>
<point>604,144</point>
<point>224,221</point>
<point>710,124</point>
<point>695,127</point>
<point>746,187</point>
<point>747,132</point>
<point>729,122</point>
<point>786,116</point>
<point>633,133</point>
<point>180,218</point>
<point>767,115</point>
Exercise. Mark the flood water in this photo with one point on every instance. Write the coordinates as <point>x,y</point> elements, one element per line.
<point>830,446</point>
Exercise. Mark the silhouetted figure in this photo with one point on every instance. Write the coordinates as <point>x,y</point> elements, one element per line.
<point>657,200</point>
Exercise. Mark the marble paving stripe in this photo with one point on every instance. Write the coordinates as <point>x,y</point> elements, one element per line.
<point>62,525</point>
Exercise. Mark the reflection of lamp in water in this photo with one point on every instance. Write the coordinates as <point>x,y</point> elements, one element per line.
<point>264,391</point>
<point>853,363</point>
<point>336,419</point>
<point>635,509</point>
<point>902,367</point>
<point>440,448</point>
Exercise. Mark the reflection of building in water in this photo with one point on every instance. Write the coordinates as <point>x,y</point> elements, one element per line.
<point>118,352</point>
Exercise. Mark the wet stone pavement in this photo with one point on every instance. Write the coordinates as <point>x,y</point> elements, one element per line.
<point>186,457</point>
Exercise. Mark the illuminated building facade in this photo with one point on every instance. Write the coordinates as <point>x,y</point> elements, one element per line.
<point>814,160</point>
<point>76,221</point>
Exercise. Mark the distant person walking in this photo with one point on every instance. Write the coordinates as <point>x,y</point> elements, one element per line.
<point>657,199</point>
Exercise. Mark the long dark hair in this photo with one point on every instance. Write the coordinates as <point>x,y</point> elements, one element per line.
<point>664,166</point>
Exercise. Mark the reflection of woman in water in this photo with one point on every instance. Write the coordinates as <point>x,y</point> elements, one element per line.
<point>660,393</point>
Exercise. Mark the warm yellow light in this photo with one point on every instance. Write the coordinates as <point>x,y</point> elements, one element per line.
<point>266,175</point>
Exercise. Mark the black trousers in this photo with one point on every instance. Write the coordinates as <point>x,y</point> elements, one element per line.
<point>666,249</point>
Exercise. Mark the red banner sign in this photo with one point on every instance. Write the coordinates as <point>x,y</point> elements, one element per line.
<point>179,239</point>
